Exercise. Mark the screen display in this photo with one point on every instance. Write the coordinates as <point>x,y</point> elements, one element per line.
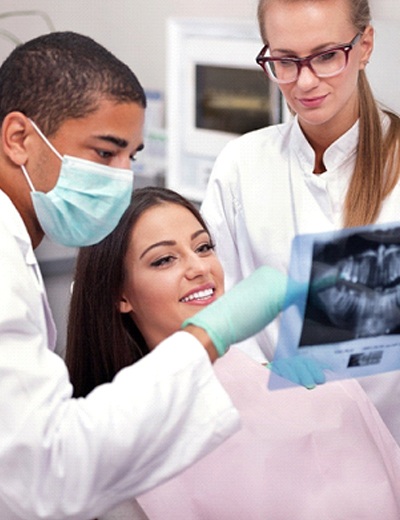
<point>234,100</point>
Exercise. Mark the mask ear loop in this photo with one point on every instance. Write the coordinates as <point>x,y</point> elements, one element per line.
<point>41,134</point>
<point>28,180</point>
<point>45,139</point>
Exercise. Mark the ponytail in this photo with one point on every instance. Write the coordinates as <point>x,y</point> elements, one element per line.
<point>377,166</point>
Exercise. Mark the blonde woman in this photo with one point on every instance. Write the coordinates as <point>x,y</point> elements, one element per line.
<point>335,164</point>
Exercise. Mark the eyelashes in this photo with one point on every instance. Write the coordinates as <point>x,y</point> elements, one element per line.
<point>202,250</point>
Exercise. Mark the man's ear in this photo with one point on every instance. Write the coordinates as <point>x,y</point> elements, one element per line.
<point>16,131</point>
<point>125,305</point>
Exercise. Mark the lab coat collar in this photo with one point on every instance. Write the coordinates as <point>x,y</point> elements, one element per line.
<point>336,154</point>
<point>11,218</point>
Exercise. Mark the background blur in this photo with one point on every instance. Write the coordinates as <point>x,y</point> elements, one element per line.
<point>135,29</point>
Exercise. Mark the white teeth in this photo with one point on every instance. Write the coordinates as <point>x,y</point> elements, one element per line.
<point>198,295</point>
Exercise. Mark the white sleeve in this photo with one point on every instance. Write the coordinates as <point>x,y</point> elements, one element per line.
<point>221,209</point>
<point>75,458</point>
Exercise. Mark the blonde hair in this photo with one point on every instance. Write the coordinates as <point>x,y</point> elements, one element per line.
<point>377,167</point>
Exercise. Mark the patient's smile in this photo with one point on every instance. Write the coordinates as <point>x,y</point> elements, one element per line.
<point>199,296</point>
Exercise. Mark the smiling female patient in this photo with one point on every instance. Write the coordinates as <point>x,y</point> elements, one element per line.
<point>299,454</point>
<point>171,269</point>
<point>155,270</point>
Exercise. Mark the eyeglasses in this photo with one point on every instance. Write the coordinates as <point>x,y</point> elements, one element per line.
<point>325,64</point>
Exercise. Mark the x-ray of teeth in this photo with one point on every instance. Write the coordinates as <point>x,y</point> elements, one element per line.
<point>350,317</point>
<point>373,268</point>
<point>365,298</point>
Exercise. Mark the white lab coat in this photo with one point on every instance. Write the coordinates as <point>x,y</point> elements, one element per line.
<point>63,458</point>
<point>261,193</point>
<point>129,510</point>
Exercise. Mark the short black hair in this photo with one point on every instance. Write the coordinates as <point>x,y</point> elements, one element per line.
<point>63,75</point>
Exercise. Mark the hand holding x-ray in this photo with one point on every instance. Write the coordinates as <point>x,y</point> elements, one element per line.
<point>250,306</point>
<point>350,318</point>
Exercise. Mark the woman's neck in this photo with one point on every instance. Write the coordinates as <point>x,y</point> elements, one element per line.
<point>320,140</point>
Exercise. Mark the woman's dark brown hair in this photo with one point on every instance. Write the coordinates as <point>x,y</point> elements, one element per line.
<point>100,339</point>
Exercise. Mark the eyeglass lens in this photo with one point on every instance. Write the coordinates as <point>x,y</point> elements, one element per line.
<point>323,65</point>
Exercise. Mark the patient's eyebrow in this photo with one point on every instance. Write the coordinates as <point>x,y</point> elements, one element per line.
<point>158,244</point>
<point>199,232</point>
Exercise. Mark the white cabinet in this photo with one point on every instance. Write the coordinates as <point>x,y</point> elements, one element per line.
<point>215,91</point>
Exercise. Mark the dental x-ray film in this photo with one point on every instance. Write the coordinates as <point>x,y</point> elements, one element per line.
<point>348,315</point>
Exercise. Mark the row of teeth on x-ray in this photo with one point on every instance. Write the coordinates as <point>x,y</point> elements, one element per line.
<point>366,298</point>
<point>378,268</point>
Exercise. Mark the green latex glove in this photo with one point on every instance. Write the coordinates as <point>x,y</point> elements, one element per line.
<point>301,370</point>
<point>247,308</point>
